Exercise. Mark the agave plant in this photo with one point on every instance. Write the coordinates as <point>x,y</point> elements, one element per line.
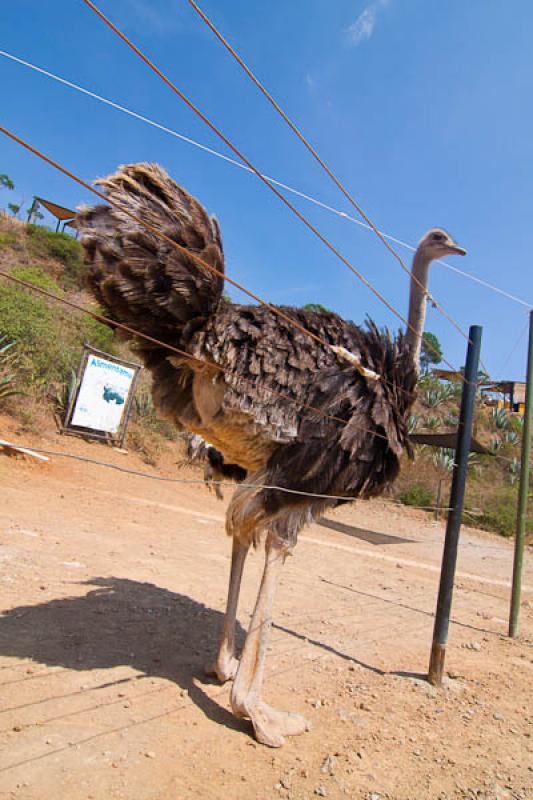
<point>451,420</point>
<point>61,395</point>
<point>500,419</point>
<point>143,404</point>
<point>7,378</point>
<point>412,422</point>
<point>432,423</point>
<point>514,471</point>
<point>495,444</point>
<point>444,459</point>
<point>512,438</point>
<point>436,395</point>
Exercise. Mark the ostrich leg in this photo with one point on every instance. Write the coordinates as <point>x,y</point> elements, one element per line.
<point>270,725</point>
<point>225,666</point>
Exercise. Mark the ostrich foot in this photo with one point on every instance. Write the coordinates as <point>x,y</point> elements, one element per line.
<point>224,668</point>
<point>270,725</point>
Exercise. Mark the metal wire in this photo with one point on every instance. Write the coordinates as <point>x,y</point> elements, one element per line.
<point>238,164</point>
<point>237,152</point>
<point>190,254</point>
<point>138,334</point>
<point>323,164</point>
<point>201,481</point>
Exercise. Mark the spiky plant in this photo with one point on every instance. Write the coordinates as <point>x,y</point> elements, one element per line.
<point>512,438</point>
<point>436,395</point>
<point>495,444</point>
<point>500,419</point>
<point>444,459</point>
<point>514,471</point>
<point>7,377</point>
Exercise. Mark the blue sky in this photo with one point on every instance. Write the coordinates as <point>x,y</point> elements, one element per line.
<point>423,109</point>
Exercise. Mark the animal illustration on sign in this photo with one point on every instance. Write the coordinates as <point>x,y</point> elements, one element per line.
<point>350,446</point>
<point>112,394</point>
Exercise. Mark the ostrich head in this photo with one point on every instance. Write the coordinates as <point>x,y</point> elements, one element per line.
<point>436,243</point>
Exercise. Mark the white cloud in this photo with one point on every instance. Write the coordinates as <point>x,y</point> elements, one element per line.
<point>364,25</point>
<point>157,16</point>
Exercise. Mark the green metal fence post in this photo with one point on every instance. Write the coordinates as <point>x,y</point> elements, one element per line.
<point>453,526</point>
<point>521,515</point>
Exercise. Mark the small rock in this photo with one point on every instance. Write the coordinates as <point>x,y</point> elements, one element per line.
<point>499,717</point>
<point>328,765</point>
<point>473,646</point>
<point>17,728</point>
<point>374,796</point>
<point>321,791</point>
<point>150,754</point>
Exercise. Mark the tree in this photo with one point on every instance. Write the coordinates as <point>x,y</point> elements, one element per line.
<point>14,208</point>
<point>315,307</point>
<point>33,211</point>
<point>6,182</point>
<point>430,352</point>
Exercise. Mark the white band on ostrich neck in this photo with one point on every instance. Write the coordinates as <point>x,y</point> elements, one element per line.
<point>345,354</point>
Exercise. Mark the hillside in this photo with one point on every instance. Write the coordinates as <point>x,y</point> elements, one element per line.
<point>49,339</point>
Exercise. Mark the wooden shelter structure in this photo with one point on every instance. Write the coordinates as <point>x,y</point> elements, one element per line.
<point>512,394</point>
<point>62,214</point>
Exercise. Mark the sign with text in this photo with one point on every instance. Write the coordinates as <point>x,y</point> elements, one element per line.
<point>103,395</point>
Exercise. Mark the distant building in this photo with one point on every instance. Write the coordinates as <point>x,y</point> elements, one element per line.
<point>502,394</point>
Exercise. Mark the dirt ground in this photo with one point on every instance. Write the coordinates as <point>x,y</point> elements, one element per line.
<point>112,589</point>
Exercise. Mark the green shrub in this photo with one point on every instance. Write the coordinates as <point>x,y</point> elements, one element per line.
<point>7,377</point>
<point>499,512</point>
<point>8,238</point>
<point>416,495</point>
<point>49,339</point>
<point>61,246</point>
<point>38,277</point>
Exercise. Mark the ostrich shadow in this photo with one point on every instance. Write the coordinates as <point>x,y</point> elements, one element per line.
<point>122,622</point>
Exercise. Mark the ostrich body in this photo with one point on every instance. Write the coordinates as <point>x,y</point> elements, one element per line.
<point>145,283</point>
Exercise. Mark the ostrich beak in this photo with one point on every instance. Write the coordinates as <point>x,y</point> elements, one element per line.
<point>457,251</point>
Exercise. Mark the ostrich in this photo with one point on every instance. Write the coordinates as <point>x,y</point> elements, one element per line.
<point>351,449</point>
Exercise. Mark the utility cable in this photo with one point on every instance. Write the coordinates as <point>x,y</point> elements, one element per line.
<point>132,332</point>
<point>240,155</point>
<point>323,164</point>
<point>202,481</point>
<point>127,328</point>
<point>315,201</point>
<point>341,352</point>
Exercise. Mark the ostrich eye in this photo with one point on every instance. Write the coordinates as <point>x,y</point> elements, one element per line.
<point>438,237</point>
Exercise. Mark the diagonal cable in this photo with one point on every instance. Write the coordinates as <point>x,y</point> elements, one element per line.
<point>237,152</point>
<point>323,164</point>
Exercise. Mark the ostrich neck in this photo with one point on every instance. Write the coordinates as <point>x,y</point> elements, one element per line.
<point>417,305</point>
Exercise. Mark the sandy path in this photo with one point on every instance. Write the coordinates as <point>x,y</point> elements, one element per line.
<point>113,589</point>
